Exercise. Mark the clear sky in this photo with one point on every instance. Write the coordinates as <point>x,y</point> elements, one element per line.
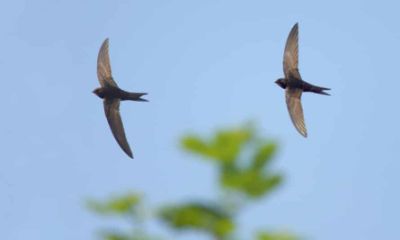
<point>205,64</point>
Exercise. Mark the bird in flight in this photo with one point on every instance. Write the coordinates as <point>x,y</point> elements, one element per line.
<point>293,84</point>
<point>112,95</point>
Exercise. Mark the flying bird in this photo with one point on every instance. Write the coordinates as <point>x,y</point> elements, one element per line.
<point>112,95</point>
<point>293,84</point>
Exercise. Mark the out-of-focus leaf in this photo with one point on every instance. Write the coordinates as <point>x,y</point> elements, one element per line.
<point>200,217</point>
<point>263,155</point>
<point>276,236</point>
<point>119,205</point>
<point>224,147</point>
<point>271,182</point>
<point>196,145</point>
<point>251,182</point>
<point>115,236</point>
<point>228,144</point>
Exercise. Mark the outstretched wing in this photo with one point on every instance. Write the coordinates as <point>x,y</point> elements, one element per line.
<point>104,67</point>
<point>291,54</point>
<point>111,108</point>
<point>293,102</point>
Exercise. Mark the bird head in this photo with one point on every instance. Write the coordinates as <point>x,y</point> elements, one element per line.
<point>99,92</point>
<point>281,82</point>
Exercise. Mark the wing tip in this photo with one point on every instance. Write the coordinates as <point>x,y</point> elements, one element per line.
<point>128,152</point>
<point>127,149</point>
<point>106,40</point>
<point>304,134</point>
<point>295,27</point>
<point>302,131</point>
<point>104,45</point>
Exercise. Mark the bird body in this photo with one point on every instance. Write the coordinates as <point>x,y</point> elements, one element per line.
<point>112,95</point>
<point>293,84</point>
<point>298,83</point>
<point>117,93</point>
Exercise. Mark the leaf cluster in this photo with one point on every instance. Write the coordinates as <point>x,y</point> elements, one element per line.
<point>243,160</point>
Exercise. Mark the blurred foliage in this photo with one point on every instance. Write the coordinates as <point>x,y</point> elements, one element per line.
<point>119,236</point>
<point>276,236</point>
<point>198,216</point>
<point>243,160</point>
<point>251,182</point>
<point>116,236</point>
<point>111,235</point>
<point>128,206</point>
<point>225,148</point>
<point>123,205</point>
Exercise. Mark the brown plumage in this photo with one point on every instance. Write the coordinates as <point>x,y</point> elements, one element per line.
<point>112,96</point>
<point>293,84</point>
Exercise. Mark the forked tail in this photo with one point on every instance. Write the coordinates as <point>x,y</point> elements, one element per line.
<point>320,90</point>
<point>315,89</point>
<point>135,97</point>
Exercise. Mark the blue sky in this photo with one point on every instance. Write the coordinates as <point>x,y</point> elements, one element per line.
<point>206,65</point>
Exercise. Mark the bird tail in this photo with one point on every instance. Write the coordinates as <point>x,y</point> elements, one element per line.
<point>320,90</point>
<point>315,89</point>
<point>136,97</point>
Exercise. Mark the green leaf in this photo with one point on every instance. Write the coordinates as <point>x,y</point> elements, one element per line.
<point>276,236</point>
<point>224,147</point>
<point>228,144</point>
<point>263,155</point>
<point>198,216</point>
<point>196,145</point>
<point>115,236</point>
<point>251,182</point>
<point>118,205</point>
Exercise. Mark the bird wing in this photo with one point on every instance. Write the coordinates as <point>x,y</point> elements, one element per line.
<point>104,67</point>
<point>291,54</point>
<point>111,108</point>
<point>293,102</point>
